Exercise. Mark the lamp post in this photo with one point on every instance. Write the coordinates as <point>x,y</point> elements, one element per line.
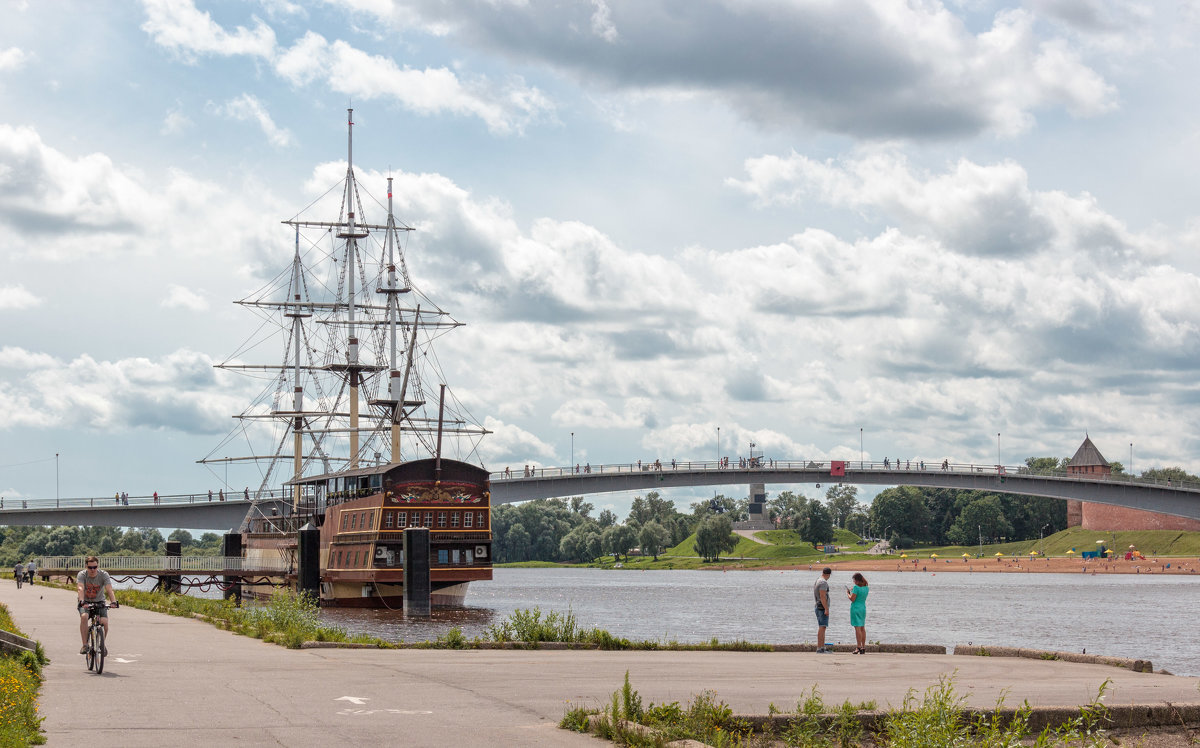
<point>1130,459</point>
<point>718,446</point>
<point>998,462</point>
<point>1041,534</point>
<point>860,448</point>
<point>572,465</point>
<point>56,478</point>
<point>980,540</point>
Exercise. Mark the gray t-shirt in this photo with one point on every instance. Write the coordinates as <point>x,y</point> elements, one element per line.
<point>93,587</point>
<point>822,584</point>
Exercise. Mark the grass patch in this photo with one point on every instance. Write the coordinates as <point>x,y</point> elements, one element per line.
<point>938,719</point>
<point>20,681</point>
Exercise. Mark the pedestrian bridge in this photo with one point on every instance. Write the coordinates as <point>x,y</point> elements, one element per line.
<point>1168,497</point>
<point>197,511</point>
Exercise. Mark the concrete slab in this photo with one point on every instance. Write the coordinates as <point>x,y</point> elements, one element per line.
<point>179,681</point>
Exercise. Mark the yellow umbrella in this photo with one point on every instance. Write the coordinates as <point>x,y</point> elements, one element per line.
<point>1070,551</point>
<point>933,555</point>
<point>903,555</point>
<point>966,555</point>
<point>1033,553</point>
<point>999,554</point>
<point>1108,551</point>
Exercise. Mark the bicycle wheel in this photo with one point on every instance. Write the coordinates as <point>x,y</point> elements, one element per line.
<point>98,647</point>
<point>90,655</point>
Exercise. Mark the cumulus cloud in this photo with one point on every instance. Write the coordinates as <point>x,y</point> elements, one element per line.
<point>16,297</point>
<point>869,68</point>
<point>248,108</point>
<point>13,58</point>
<point>179,391</point>
<point>184,298</point>
<point>175,122</point>
<point>180,27</point>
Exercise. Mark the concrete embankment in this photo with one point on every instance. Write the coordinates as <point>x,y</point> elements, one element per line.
<point>178,681</point>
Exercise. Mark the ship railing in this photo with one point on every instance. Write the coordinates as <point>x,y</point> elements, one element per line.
<point>184,564</point>
<point>762,464</point>
<point>107,502</point>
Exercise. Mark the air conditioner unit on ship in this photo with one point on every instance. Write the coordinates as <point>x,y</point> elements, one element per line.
<point>481,551</point>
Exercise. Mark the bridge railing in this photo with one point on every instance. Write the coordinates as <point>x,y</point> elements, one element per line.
<point>765,465</point>
<point>103,502</point>
<point>197,564</point>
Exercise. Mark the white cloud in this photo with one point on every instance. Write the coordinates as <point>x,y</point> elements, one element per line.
<point>248,108</point>
<point>363,76</point>
<point>184,298</point>
<point>175,122</point>
<point>602,24</point>
<point>13,58</point>
<point>16,297</point>
<point>178,26</point>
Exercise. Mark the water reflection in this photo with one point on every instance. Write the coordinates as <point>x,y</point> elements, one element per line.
<point>393,625</point>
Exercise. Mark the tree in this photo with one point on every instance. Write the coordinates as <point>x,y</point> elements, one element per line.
<point>516,546</point>
<point>581,544</point>
<point>903,510</point>
<point>34,544</point>
<point>842,499</point>
<point>61,541</point>
<point>715,534</point>
<point>1042,464</point>
<point>181,536</point>
<point>982,515</point>
<point>817,524</point>
<point>581,507</point>
<point>132,541</point>
<point>652,538</point>
<point>618,539</point>
<point>1173,474</point>
<point>607,518</point>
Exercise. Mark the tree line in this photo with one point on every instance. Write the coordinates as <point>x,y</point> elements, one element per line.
<point>24,543</point>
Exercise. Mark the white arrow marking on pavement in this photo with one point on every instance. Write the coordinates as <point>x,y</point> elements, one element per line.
<point>122,659</point>
<point>354,699</point>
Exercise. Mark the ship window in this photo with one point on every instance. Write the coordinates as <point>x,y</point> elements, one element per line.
<point>442,556</point>
<point>429,519</point>
<point>467,517</point>
<point>371,519</point>
<point>441,519</point>
<point>354,520</point>
<point>482,523</point>
<point>469,556</point>
<point>358,558</point>
<point>339,559</point>
<point>454,519</point>
<point>402,519</point>
<point>454,556</point>
<point>376,481</point>
<point>345,519</point>
<point>387,519</point>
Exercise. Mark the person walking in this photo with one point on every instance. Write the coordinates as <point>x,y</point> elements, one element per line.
<point>30,570</point>
<point>821,607</point>
<point>858,612</point>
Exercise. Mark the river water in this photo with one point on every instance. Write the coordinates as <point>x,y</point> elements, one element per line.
<point>1140,616</point>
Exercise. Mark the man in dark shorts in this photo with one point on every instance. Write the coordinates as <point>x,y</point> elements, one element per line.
<point>821,602</point>
<point>93,585</point>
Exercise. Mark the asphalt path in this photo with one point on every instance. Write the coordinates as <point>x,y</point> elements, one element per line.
<point>178,681</point>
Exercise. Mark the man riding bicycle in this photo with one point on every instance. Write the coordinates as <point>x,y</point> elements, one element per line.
<point>93,586</point>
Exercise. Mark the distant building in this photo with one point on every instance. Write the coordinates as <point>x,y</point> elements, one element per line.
<point>1092,516</point>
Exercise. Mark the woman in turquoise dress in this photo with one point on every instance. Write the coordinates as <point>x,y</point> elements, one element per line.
<point>858,612</point>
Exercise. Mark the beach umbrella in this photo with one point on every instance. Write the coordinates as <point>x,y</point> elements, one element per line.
<point>966,555</point>
<point>1033,553</point>
<point>1109,550</point>
<point>903,555</point>
<point>999,554</point>
<point>1070,551</point>
<point>933,555</point>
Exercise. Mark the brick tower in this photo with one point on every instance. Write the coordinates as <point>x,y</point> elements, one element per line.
<point>1092,516</point>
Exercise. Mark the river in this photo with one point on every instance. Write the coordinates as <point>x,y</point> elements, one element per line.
<point>1139,616</point>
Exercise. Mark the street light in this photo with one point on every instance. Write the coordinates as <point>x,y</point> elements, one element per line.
<point>718,446</point>
<point>56,478</point>
<point>860,448</point>
<point>1042,545</point>
<point>980,540</point>
<point>572,450</point>
<point>998,462</point>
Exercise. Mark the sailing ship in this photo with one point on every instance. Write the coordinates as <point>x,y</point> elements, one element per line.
<point>357,407</point>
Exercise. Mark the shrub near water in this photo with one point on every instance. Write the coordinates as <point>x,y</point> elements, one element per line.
<point>20,679</point>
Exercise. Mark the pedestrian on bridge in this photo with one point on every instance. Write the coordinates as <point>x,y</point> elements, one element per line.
<point>210,494</point>
<point>156,497</point>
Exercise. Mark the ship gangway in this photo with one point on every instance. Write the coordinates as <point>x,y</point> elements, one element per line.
<point>175,573</point>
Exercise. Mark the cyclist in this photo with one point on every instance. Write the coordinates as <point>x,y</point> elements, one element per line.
<point>93,586</point>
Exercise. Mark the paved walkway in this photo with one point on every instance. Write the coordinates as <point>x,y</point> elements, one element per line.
<point>175,681</point>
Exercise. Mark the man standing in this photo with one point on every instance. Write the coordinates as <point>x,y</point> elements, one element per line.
<point>821,599</point>
<point>30,570</point>
<point>93,586</point>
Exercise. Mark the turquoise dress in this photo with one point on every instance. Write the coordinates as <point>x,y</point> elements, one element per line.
<point>858,608</point>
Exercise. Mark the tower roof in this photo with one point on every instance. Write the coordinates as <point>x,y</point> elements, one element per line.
<point>1087,455</point>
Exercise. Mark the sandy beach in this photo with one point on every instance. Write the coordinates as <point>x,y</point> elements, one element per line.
<point>1022,564</point>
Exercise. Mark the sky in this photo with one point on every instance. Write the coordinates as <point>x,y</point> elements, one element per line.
<point>961,230</point>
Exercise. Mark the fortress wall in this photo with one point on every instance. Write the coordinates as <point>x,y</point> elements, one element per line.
<point>1107,517</point>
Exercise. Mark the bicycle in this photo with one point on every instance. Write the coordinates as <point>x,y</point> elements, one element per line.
<point>95,639</point>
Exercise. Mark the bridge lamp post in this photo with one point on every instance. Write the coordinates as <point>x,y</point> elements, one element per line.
<point>718,446</point>
<point>1041,534</point>
<point>860,448</point>
<point>56,478</point>
<point>572,465</point>
<point>980,540</point>
<point>998,462</point>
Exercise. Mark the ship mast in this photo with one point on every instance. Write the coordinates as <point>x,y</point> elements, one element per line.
<point>297,313</point>
<point>351,235</point>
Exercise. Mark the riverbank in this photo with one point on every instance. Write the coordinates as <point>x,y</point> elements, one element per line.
<point>1026,565</point>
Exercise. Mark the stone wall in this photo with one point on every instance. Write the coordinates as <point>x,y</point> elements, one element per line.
<point>1108,517</point>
